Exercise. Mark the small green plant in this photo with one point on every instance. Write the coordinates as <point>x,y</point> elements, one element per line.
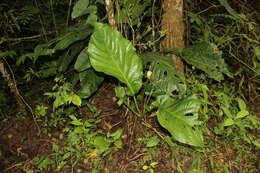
<point>63,105</point>
<point>237,120</point>
<point>95,111</point>
<point>40,111</point>
<point>30,74</point>
<point>63,94</point>
<point>84,143</point>
<point>55,119</point>
<point>151,153</point>
<point>150,168</point>
<point>118,58</point>
<point>43,163</point>
<point>149,141</point>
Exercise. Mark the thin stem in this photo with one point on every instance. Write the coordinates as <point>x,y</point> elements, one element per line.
<point>19,96</point>
<point>132,110</point>
<point>41,21</point>
<point>53,18</point>
<point>137,107</point>
<point>150,127</point>
<point>147,99</point>
<point>25,38</point>
<point>127,105</point>
<point>153,24</point>
<point>68,15</point>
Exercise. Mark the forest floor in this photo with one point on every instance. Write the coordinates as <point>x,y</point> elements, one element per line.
<point>20,143</point>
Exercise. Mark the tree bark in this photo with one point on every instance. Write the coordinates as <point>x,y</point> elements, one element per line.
<point>173,23</point>
<point>110,14</point>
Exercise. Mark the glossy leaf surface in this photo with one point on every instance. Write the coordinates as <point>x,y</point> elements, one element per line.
<point>180,118</point>
<point>82,62</point>
<point>114,55</point>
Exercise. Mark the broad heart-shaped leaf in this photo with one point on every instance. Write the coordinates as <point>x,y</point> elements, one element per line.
<point>82,62</point>
<point>179,117</point>
<point>204,57</point>
<point>164,79</point>
<point>114,55</point>
<point>89,82</point>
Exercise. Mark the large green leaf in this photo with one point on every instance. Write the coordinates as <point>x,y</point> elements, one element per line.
<point>69,56</point>
<point>82,7</point>
<point>82,62</point>
<point>164,79</point>
<point>205,57</point>
<point>71,35</point>
<point>89,82</point>
<point>114,55</point>
<point>180,118</point>
<point>68,37</point>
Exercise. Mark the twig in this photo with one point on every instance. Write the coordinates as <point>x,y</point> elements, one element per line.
<point>68,15</point>
<point>242,62</point>
<point>53,18</point>
<point>21,97</point>
<point>25,38</point>
<point>150,127</point>
<point>135,157</point>
<point>11,167</point>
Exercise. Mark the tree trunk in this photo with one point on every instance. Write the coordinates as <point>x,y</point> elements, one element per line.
<point>110,14</point>
<point>173,23</point>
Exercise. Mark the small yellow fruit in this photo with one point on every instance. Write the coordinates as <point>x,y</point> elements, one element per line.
<point>9,136</point>
<point>149,74</point>
<point>94,154</point>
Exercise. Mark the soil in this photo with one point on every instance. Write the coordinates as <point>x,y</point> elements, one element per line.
<point>20,142</point>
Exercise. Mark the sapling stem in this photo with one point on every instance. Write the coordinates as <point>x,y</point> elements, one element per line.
<point>137,107</point>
